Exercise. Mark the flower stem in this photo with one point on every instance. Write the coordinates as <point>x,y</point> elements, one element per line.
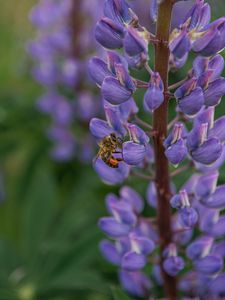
<point>160,120</point>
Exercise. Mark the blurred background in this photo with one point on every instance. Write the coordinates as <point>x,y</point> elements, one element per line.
<point>48,208</point>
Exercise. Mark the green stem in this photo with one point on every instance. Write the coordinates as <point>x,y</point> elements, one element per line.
<point>160,122</point>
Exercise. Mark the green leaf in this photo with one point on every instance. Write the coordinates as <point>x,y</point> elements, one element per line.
<point>118,294</point>
<point>9,260</point>
<point>75,279</point>
<point>39,211</point>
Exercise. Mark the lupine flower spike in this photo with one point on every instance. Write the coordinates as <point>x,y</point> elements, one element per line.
<point>178,251</point>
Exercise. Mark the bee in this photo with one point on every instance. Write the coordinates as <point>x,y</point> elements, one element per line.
<point>107,148</point>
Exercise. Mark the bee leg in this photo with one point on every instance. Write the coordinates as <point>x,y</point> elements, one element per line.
<point>120,159</point>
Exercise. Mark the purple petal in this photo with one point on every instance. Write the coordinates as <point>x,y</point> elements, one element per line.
<point>215,91</point>
<point>192,103</point>
<point>124,77</point>
<point>98,70</point>
<point>152,195</point>
<point>110,200</point>
<point>206,184</point>
<point>188,216</point>
<point>122,212</point>
<point>114,92</point>
<point>100,128</point>
<point>199,248</point>
<point>215,166</point>
<point>136,283</point>
<point>110,175</point>
<point>209,265</point>
<point>118,11</point>
<point>176,152</point>
<point>217,286</point>
<point>137,134</point>
<point>113,228</point>
<point>110,252</point>
<point>133,153</point>
<point>180,44</point>
<point>218,129</point>
<point>109,34</point>
<point>217,199</point>
<point>112,114</point>
<point>134,44</point>
<point>173,265</point>
<point>153,98</point>
<point>132,261</point>
<point>141,245</point>
<point>219,249</point>
<point>218,229</point>
<point>131,196</point>
<point>208,152</point>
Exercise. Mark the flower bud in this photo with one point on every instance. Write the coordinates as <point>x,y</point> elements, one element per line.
<point>172,264</point>
<point>176,147</point>
<point>154,95</point>
<point>188,216</point>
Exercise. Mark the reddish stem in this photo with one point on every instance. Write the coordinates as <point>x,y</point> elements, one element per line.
<point>160,122</point>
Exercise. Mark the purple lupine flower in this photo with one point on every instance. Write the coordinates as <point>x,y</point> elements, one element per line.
<point>136,283</point>
<point>154,95</point>
<point>185,241</point>
<point>134,43</point>
<point>190,97</point>
<point>172,263</point>
<point>175,145</point>
<point>60,68</point>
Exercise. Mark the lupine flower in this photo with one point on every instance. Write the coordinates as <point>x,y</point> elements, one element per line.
<point>60,68</point>
<point>154,95</point>
<point>193,248</point>
<point>175,145</point>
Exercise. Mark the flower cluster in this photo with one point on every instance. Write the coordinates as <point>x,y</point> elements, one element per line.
<point>195,142</point>
<point>63,43</point>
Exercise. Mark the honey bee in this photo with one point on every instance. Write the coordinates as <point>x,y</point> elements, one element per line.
<point>107,147</point>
